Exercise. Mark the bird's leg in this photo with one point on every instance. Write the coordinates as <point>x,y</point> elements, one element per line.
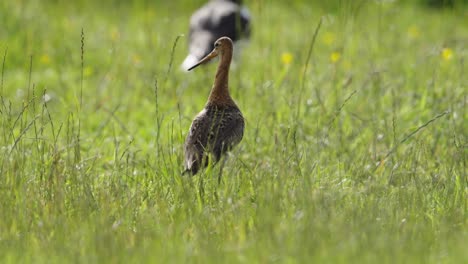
<point>201,190</point>
<point>221,167</point>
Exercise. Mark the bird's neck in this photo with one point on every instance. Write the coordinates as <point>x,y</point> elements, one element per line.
<point>220,92</point>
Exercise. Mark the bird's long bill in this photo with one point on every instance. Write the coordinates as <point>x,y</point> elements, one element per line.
<point>207,58</point>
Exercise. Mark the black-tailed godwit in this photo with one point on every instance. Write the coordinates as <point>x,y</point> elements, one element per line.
<point>220,125</point>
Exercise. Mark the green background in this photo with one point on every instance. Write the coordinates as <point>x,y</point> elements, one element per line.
<point>354,154</point>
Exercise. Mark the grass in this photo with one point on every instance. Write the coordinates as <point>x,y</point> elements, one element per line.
<point>354,152</point>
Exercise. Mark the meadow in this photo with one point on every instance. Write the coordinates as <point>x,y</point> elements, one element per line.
<point>355,147</point>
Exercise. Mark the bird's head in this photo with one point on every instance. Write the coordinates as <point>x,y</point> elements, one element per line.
<point>221,45</point>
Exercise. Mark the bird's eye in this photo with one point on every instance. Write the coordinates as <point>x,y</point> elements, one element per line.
<point>216,44</point>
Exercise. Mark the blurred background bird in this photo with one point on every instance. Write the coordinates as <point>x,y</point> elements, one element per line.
<point>216,19</point>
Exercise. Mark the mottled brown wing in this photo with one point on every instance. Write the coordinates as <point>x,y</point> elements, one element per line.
<point>230,131</point>
<point>196,142</point>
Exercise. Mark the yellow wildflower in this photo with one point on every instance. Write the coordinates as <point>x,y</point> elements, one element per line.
<point>335,56</point>
<point>413,32</point>
<point>114,34</point>
<point>136,59</point>
<point>329,38</point>
<point>447,54</point>
<point>286,58</point>
<point>44,59</point>
<point>87,71</point>
<point>149,13</point>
